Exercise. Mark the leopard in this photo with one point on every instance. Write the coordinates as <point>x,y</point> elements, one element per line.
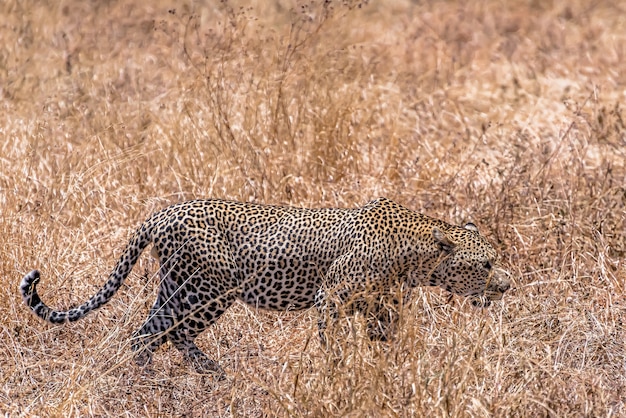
<point>213,252</point>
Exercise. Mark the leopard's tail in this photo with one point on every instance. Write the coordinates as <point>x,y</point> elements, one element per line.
<point>28,286</point>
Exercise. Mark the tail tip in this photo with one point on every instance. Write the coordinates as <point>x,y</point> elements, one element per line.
<point>30,281</point>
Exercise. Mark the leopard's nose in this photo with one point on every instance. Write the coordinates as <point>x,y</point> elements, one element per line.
<point>504,280</point>
<point>504,286</point>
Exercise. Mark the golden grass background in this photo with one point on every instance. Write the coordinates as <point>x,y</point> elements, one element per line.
<point>508,115</point>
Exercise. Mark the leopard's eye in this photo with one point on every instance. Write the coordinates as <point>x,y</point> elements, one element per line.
<point>487,265</point>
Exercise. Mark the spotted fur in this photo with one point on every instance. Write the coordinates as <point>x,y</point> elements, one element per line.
<point>212,252</point>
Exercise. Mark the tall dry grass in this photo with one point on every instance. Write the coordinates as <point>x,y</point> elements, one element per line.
<point>509,115</point>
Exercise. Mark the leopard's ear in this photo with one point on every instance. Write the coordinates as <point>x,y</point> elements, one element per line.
<point>471,227</point>
<point>444,242</point>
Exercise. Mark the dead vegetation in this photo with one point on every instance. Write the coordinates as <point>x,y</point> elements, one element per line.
<point>508,115</point>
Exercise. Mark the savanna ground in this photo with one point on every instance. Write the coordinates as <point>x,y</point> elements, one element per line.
<point>508,115</point>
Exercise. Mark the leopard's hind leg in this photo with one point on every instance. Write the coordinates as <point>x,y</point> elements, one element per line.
<point>204,284</point>
<point>195,321</point>
<point>153,332</point>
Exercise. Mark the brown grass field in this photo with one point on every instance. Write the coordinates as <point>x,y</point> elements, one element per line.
<point>508,115</point>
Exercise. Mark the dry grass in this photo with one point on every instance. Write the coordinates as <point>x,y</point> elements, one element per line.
<point>506,114</point>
